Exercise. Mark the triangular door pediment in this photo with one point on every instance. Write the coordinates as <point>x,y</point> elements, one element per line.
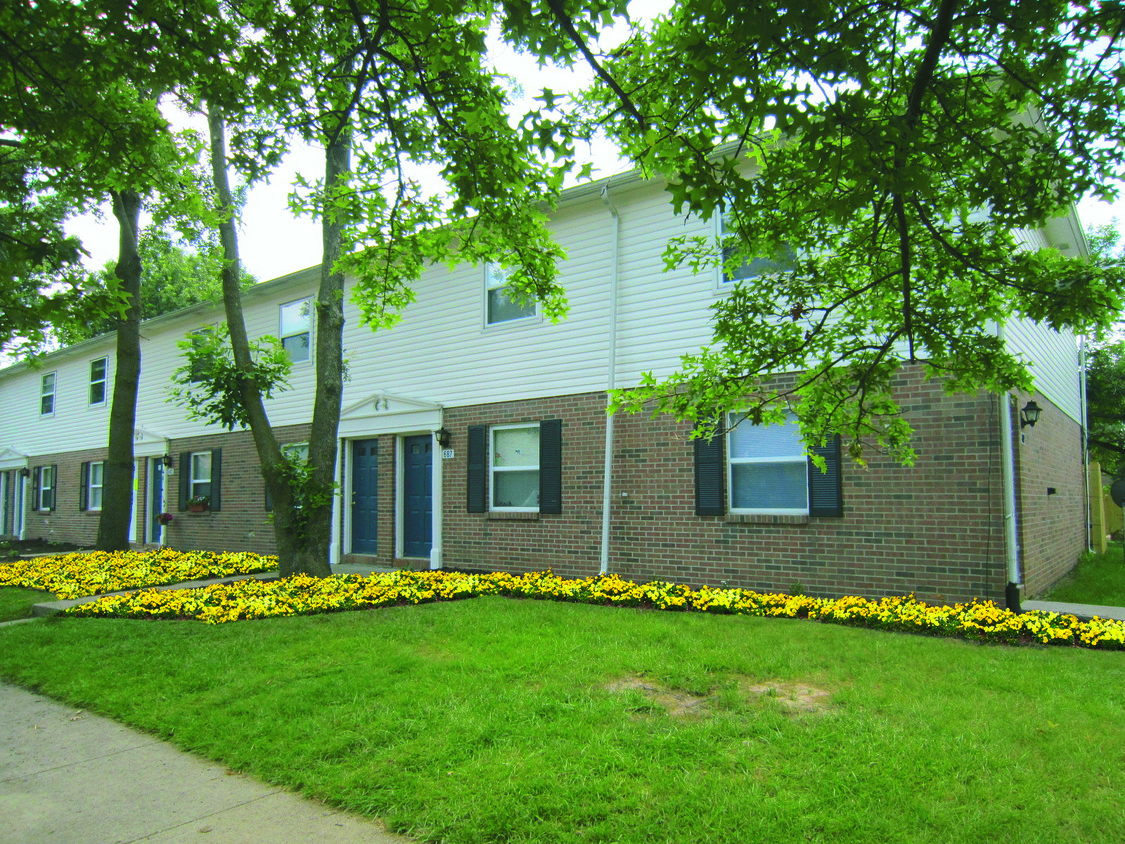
<point>382,403</point>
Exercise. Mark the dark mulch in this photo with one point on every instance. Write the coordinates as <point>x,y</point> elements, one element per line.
<point>13,549</point>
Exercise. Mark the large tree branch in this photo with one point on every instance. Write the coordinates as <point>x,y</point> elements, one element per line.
<point>567,25</point>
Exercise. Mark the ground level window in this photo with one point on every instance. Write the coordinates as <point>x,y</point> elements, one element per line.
<point>45,488</point>
<point>515,468</point>
<point>768,467</point>
<point>93,481</point>
<point>200,478</point>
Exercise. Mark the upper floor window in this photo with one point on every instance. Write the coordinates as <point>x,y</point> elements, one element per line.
<point>296,329</point>
<point>784,261</point>
<point>98,371</point>
<point>499,306</point>
<point>47,394</point>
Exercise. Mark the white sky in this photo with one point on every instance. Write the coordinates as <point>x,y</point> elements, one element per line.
<point>273,242</point>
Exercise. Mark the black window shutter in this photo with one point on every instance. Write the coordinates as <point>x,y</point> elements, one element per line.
<point>54,485</point>
<point>710,476</point>
<point>185,478</point>
<point>826,489</point>
<point>550,466</point>
<point>216,502</point>
<point>35,488</point>
<point>477,480</point>
<point>83,491</point>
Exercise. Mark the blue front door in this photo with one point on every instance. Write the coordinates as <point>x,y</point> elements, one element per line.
<point>417,485</point>
<point>365,496</point>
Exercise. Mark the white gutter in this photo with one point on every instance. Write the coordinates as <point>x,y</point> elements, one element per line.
<point>611,380</point>
<point>1008,470</point>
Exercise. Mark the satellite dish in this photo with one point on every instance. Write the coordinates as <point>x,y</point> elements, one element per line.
<point>1117,491</point>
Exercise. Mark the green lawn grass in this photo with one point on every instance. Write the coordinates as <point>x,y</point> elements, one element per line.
<point>493,720</point>
<point>1098,579</point>
<point>16,603</point>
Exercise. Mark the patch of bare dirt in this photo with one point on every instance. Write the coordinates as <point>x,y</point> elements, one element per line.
<point>796,698</point>
<point>677,704</point>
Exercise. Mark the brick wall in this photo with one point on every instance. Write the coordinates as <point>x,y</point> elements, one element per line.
<point>66,522</point>
<point>1051,495</point>
<point>242,523</point>
<point>935,529</point>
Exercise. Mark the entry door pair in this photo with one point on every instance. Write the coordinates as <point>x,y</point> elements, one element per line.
<point>417,496</point>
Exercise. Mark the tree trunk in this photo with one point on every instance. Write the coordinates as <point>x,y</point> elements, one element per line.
<point>117,489</point>
<point>292,547</point>
<point>329,359</point>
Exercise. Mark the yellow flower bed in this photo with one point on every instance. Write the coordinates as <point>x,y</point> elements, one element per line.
<point>96,572</point>
<point>252,599</point>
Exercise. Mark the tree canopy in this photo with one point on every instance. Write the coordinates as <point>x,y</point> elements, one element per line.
<point>896,151</point>
<point>175,274</point>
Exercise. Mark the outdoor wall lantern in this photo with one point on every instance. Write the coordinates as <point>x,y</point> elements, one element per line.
<point>443,437</point>
<point>167,461</point>
<point>1029,414</point>
<point>25,472</point>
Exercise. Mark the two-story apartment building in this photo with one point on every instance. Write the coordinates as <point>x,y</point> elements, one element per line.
<point>474,434</point>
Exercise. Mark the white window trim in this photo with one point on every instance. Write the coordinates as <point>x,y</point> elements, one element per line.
<point>742,461</point>
<point>193,480</point>
<point>104,382</point>
<point>54,393</point>
<point>534,316</point>
<point>43,471</point>
<point>91,486</point>
<point>312,322</point>
<point>492,468</point>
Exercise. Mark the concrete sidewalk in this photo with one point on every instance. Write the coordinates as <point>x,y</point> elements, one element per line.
<point>69,777</point>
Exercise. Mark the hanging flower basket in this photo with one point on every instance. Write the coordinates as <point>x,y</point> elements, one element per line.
<point>164,518</point>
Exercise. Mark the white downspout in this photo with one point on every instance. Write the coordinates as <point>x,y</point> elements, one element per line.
<point>1085,444</point>
<point>435,496</point>
<point>611,380</point>
<point>1008,470</point>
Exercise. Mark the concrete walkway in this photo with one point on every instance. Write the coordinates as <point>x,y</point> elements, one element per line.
<point>1083,611</point>
<point>69,777</point>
